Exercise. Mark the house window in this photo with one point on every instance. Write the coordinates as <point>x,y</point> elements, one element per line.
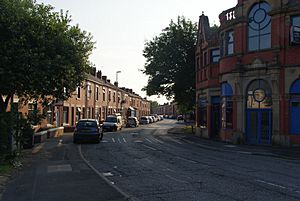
<point>203,113</point>
<point>66,115</point>
<point>78,92</point>
<point>205,59</point>
<point>109,96</point>
<point>97,94</point>
<point>114,97</point>
<point>89,91</point>
<point>229,41</point>
<point>215,55</point>
<point>295,29</point>
<point>226,105</point>
<point>103,94</point>
<point>259,27</point>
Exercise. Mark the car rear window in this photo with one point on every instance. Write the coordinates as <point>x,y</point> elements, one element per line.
<point>86,124</point>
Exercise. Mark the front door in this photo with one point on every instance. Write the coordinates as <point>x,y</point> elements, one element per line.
<point>259,126</point>
<point>215,117</point>
<point>259,113</point>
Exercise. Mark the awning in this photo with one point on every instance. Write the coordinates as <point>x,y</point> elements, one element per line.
<point>131,108</point>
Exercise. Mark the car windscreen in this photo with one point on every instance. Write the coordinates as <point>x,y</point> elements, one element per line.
<point>111,119</point>
<point>144,118</point>
<point>86,124</point>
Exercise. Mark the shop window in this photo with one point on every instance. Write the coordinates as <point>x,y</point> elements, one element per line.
<point>203,113</point>
<point>259,27</point>
<point>215,55</point>
<point>295,30</point>
<point>295,108</point>
<point>226,106</point>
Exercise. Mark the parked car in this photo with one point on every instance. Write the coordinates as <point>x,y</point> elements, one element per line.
<point>87,130</point>
<point>113,123</point>
<point>145,120</point>
<point>180,118</point>
<point>132,122</point>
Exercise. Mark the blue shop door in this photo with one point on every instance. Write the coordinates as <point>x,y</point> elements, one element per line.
<point>259,126</point>
<point>294,117</point>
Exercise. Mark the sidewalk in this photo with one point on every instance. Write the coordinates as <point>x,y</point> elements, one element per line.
<point>55,171</point>
<point>292,153</point>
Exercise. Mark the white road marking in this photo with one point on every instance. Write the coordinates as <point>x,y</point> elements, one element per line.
<point>60,143</point>
<point>107,174</point>
<point>119,140</point>
<point>175,141</point>
<point>148,140</point>
<point>178,180</point>
<point>168,169</point>
<point>150,147</point>
<point>124,140</point>
<point>158,140</point>
<point>113,140</point>
<point>271,184</point>
<point>105,141</point>
<point>188,160</point>
<point>138,141</point>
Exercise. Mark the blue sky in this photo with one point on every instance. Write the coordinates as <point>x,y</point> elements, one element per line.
<point>121,27</point>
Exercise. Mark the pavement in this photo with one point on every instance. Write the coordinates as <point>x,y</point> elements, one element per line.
<point>292,153</point>
<point>55,171</point>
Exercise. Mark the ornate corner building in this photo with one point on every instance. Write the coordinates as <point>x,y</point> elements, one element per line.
<point>248,74</point>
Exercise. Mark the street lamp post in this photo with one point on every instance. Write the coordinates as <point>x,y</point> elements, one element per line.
<point>117,86</point>
<point>117,75</point>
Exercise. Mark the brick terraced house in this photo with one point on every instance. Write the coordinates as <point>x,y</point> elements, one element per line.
<point>96,98</point>
<point>248,74</point>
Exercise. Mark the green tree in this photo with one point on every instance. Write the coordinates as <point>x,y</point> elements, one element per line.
<point>170,63</point>
<point>41,54</point>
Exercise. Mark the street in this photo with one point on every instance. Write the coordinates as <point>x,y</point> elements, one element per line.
<point>148,163</point>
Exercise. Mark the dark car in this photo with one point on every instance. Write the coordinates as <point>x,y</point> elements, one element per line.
<point>87,130</point>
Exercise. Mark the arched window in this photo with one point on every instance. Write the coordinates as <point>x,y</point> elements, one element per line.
<point>295,107</point>
<point>226,105</point>
<point>259,95</point>
<point>259,27</point>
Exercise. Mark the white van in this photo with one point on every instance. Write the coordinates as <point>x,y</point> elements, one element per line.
<point>113,123</point>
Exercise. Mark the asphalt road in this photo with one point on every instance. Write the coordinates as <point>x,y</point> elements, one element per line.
<point>147,163</point>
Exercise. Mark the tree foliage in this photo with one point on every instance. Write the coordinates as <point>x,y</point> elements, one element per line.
<point>170,61</point>
<point>41,54</point>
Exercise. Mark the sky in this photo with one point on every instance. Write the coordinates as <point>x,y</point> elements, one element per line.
<point>120,29</point>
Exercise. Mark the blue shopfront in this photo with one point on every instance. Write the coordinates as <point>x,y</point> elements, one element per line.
<point>259,113</point>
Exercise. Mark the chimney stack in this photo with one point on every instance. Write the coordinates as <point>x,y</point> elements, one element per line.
<point>108,80</point>
<point>104,78</point>
<point>99,74</point>
<point>116,84</point>
<point>93,71</point>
